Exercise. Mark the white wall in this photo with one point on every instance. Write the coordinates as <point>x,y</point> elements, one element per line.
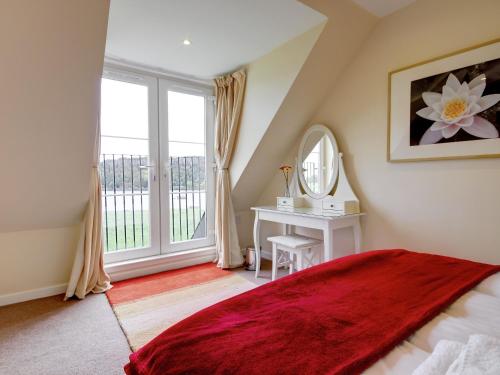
<point>446,207</point>
<point>264,142</point>
<point>268,82</point>
<point>346,28</point>
<point>36,259</point>
<point>52,56</point>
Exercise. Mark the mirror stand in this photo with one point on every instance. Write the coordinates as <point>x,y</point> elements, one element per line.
<point>319,171</point>
<point>343,199</point>
<point>344,190</point>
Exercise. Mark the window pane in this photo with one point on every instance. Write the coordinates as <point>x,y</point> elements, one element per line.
<point>311,167</point>
<point>124,109</point>
<point>186,149</point>
<point>187,195</point>
<point>123,165</point>
<point>186,117</point>
<point>113,145</point>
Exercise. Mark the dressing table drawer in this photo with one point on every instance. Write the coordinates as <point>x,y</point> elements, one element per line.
<point>288,202</point>
<point>346,207</point>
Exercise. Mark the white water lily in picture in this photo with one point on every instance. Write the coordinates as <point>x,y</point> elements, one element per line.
<point>458,108</point>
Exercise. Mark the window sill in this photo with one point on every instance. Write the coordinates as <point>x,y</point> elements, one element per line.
<point>159,263</point>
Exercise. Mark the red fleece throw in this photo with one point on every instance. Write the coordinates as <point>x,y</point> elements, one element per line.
<point>336,318</point>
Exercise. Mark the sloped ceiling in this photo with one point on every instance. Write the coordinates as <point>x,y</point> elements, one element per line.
<point>252,169</point>
<point>52,56</point>
<point>382,8</point>
<point>269,80</point>
<point>54,51</point>
<point>225,34</point>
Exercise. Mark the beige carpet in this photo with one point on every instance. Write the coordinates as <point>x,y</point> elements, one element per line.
<point>52,337</point>
<point>146,306</point>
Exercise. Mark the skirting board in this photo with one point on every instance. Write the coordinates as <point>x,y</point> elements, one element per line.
<point>148,266</point>
<point>9,299</point>
<point>122,271</point>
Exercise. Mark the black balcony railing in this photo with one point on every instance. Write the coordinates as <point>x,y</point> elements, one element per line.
<point>311,174</point>
<point>187,198</point>
<point>126,200</point>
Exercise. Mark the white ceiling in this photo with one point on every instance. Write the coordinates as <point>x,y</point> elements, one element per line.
<point>225,34</point>
<point>382,8</point>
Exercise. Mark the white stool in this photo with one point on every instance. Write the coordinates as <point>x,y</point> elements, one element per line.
<point>303,249</point>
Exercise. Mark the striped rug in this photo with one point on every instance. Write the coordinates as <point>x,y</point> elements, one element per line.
<point>146,306</point>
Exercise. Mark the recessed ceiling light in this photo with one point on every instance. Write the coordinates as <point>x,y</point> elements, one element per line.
<point>186,42</point>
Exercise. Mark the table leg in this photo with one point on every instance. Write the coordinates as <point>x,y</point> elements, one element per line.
<point>256,242</point>
<point>328,242</point>
<point>275,262</point>
<point>357,236</point>
<point>285,230</point>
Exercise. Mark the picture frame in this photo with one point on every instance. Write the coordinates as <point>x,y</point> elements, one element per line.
<point>447,107</point>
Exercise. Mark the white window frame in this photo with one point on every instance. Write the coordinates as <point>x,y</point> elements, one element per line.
<point>166,85</point>
<point>158,87</point>
<point>154,197</point>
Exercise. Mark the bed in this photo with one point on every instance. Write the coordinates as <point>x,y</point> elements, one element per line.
<point>477,311</point>
<point>379,312</point>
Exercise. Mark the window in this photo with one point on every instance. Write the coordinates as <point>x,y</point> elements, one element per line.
<point>155,166</point>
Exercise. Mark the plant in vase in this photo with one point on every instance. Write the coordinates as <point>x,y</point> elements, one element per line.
<point>285,169</point>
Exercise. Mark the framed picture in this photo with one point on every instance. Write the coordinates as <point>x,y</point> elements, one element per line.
<point>446,108</point>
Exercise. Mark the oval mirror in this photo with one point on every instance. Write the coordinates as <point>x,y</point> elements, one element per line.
<point>319,161</point>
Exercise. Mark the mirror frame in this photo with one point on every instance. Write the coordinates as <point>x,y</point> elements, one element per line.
<point>335,174</point>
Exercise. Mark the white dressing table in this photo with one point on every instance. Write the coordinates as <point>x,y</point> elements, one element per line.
<point>314,218</point>
<point>319,171</point>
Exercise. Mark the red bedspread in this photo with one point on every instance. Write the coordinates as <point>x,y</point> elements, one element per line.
<point>337,318</point>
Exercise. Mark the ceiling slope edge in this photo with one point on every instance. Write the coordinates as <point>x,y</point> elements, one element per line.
<point>346,29</point>
<point>269,80</point>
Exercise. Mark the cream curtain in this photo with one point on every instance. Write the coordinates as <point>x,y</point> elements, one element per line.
<point>88,273</point>
<point>229,100</point>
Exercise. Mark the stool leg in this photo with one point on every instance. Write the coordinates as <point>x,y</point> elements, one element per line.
<point>290,265</point>
<point>275,262</point>
<point>308,259</point>
<point>300,261</point>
